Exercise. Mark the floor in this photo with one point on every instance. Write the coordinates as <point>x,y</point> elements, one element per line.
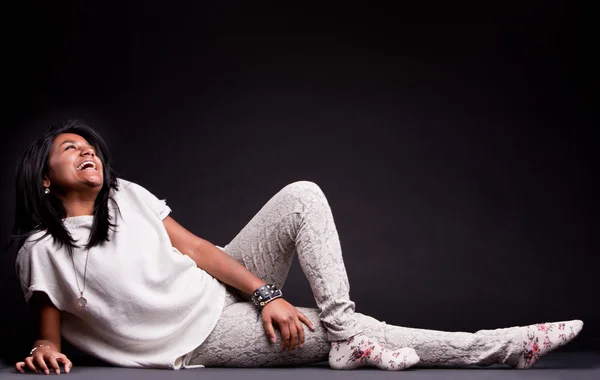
<point>559,365</point>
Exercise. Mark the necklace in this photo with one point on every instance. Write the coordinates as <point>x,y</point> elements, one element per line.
<point>81,301</point>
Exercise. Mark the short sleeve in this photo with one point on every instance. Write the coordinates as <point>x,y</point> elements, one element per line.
<point>36,272</point>
<point>158,207</point>
<point>23,269</point>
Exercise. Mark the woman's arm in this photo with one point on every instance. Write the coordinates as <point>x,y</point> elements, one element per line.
<point>226,269</point>
<point>47,321</point>
<point>211,259</point>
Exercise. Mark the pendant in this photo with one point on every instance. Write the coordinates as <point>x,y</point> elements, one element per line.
<point>81,301</point>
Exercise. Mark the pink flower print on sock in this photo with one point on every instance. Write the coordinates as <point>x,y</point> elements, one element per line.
<point>550,335</point>
<point>360,351</point>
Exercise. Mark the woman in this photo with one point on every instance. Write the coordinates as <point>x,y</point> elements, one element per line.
<point>104,265</point>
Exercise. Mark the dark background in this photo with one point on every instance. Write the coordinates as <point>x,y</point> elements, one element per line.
<point>455,143</point>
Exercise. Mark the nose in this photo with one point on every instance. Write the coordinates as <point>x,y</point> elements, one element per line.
<point>89,152</point>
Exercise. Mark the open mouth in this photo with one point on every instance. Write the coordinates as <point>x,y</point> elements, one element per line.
<point>87,165</point>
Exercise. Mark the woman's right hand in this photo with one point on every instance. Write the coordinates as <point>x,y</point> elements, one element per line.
<point>43,360</point>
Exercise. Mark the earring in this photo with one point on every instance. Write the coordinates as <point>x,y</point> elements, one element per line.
<point>46,190</point>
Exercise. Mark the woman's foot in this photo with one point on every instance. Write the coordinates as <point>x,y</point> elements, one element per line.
<point>541,338</point>
<point>361,351</point>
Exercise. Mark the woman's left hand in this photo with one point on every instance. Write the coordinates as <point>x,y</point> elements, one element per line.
<point>288,318</point>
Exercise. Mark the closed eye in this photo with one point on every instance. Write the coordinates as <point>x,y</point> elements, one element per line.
<point>70,146</point>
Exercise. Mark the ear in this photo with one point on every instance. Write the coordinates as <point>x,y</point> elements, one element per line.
<point>46,182</point>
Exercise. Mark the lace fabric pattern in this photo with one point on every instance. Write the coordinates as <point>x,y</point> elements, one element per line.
<point>298,221</point>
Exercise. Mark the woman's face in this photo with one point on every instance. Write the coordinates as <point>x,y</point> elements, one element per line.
<point>73,165</point>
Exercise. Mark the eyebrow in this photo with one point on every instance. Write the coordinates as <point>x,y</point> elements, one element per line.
<point>74,142</point>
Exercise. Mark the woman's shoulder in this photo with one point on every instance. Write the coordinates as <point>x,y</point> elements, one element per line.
<point>122,184</point>
<point>36,242</point>
<point>126,188</point>
<point>131,193</point>
<point>37,238</point>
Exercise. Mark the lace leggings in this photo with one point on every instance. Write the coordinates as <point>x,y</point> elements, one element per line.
<point>298,220</point>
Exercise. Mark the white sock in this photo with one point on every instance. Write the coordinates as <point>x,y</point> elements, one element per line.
<point>541,338</point>
<point>361,351</point>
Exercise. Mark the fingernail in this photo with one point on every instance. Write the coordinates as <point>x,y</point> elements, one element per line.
<point>273,340</point>
<point>57,371</point>
<point>47,372</point>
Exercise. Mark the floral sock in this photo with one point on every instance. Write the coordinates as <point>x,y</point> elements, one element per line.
<point>541,338</point>
<point>361,351</point>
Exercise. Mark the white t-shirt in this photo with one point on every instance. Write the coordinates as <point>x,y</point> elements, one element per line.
<point>147,304</point>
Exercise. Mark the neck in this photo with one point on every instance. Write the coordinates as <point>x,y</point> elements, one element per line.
<point>79,209</point>
<point>78,204</point>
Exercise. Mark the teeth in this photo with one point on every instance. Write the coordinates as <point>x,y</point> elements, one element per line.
<point>85,163</point>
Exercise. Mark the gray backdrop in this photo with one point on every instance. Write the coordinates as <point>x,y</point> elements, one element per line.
<point>455,144</point>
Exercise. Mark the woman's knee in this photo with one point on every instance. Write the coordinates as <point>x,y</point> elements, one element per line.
<point>301,186</point>
<point>301,194</point>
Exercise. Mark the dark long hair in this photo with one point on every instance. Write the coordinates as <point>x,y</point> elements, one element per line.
<point>36,211</point>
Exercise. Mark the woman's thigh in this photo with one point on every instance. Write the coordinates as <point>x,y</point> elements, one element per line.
<point>239,340</point>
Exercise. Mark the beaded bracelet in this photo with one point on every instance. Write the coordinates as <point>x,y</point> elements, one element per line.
<point>36,347</point>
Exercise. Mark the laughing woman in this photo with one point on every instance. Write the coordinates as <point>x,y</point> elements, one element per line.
<point>104,266</point>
